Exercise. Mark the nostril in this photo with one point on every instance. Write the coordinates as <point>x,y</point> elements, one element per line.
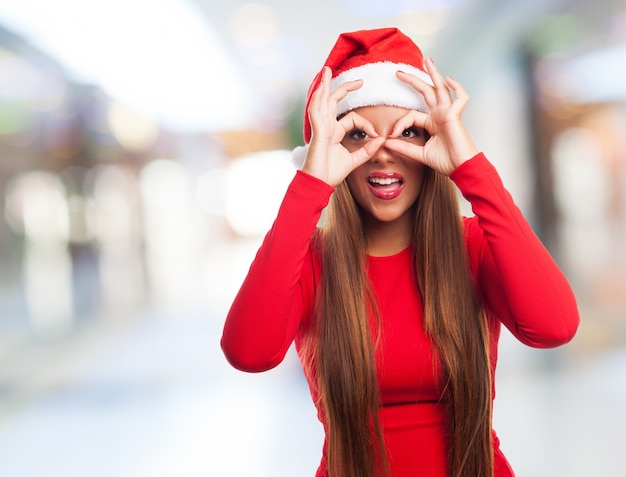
<point>383,155</point>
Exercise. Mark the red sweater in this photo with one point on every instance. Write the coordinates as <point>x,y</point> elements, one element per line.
<point>522,288</point>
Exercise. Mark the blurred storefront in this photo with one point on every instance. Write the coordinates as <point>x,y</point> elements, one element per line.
<point>576,60</point>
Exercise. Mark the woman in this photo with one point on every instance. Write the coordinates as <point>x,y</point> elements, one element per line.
<point>395,304</point>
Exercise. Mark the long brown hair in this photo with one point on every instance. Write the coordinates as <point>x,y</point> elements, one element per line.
<point>453,319</point>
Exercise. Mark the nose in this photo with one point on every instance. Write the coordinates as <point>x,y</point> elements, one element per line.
<point>383,156</point>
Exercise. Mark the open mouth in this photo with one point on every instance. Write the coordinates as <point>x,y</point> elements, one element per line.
<point>385,185</point>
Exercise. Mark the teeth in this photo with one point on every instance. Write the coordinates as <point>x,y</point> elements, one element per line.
<point>383,181</point>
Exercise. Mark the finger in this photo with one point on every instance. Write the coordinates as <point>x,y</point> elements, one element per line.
<point>344,88</point>
<point>322,109</point>
<point>324,101</point>
<point>406,149</point>
<point>319,96</point>
<point>462,98</point>
<point>354,120</point>
<point>441,88</point>
<point>365,153</point>
<point>422,87</point>
<point>411,119</point>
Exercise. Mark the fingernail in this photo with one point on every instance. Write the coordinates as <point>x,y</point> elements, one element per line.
<point>431,60</point>
<point>391,132</point>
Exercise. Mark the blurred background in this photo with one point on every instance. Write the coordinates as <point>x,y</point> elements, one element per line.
<point>144,148</point>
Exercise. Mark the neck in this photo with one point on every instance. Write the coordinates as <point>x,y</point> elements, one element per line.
<point>387,238</point>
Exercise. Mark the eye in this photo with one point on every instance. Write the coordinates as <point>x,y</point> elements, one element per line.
<point>357,135</point>
<point>412,132</point>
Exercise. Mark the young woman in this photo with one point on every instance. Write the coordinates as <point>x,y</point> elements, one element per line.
<point>395,304</point>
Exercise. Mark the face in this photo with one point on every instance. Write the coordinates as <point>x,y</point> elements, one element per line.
<point>387,186</point>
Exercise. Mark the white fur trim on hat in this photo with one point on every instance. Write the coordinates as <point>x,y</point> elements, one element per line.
<point>381,86</point>
<point>298,156</point>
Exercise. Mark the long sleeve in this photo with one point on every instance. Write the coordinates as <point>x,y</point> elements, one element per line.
<point>267,311</point>
<point>521,283</point>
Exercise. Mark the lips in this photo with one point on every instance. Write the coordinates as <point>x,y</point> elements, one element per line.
<point>385,185</point>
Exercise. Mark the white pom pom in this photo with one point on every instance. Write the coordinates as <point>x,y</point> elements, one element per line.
<point>298,156</point>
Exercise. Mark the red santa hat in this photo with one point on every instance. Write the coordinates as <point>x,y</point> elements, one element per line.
<point>373,56</point>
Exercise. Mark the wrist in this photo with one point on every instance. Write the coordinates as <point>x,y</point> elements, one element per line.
<point>463,151</point>
<point>462,157</point>
<point>318,164</point>
<point>465,165</point>
<point>461,148</point>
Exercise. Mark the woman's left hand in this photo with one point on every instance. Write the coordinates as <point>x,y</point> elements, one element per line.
<point>450,144</point>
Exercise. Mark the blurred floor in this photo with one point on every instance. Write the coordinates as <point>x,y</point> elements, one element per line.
<point>562,415</point>
<point>155,398</point>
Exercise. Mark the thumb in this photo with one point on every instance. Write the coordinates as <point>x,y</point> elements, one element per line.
<point>365,153</point>
<point>406,149</point>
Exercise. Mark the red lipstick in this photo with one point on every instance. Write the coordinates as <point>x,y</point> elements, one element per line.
<point>385,185</point>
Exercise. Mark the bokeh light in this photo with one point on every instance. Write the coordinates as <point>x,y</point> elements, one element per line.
<point>256,186</point>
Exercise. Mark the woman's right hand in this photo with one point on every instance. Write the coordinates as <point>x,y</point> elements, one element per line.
<point>326,157</point>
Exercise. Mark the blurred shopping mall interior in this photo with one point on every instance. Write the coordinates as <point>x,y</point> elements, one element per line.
<point>144,150</point>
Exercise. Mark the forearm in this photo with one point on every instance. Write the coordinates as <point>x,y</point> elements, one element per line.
<point>268,308</point>
<point>521,282</point>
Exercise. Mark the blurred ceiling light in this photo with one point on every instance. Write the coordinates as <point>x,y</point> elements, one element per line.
<point>376,8</point>
<point>161,57</point>
<point>133,130</point>
<point>254,24</point>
